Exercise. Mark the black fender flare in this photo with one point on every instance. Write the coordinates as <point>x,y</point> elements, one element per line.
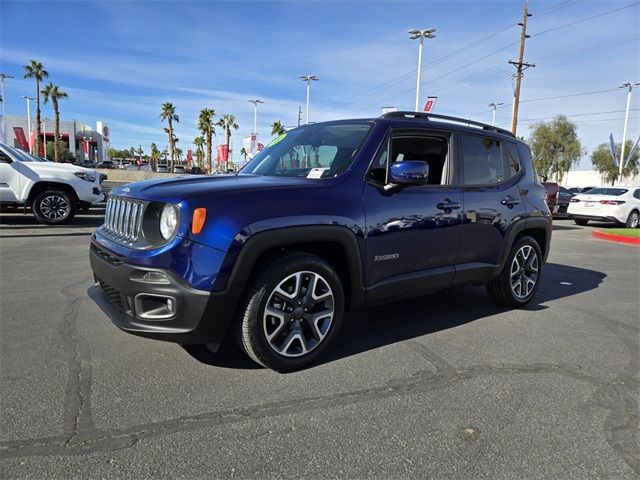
<point>264,241</point>
<point>543,223</point>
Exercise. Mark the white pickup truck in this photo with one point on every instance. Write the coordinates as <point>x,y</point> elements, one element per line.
<point>54,191</point>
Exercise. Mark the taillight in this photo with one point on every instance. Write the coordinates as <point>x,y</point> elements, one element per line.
<point>575,200</point>
<point>611,202</point>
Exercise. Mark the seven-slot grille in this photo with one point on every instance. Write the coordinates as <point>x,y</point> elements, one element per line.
<point>123,218</point>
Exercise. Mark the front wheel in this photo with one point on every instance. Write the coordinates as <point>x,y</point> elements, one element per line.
<point>291,313</point>
<point>520,277</point>
<point>53,207</point>
<point>633,220</point>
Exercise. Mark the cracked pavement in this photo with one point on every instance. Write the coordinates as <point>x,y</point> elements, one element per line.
<point>443,386</point>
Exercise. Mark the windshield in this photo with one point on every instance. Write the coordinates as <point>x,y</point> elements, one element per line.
<point>22,156</point>
<point>615,192</point>
<point>311,151</point>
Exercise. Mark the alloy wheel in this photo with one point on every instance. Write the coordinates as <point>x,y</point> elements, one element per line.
<point>54,207</point>
<point>524,271</point>
<point>298,314</point>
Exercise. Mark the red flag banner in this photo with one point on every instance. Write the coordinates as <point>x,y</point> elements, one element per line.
<point>21,138</point>
<point>430,104</point>
<point>223,153</point>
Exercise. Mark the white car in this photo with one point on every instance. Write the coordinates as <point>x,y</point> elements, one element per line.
<point>54,191</point>
<point>607,204</point>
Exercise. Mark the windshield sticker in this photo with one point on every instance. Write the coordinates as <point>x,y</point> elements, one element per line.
<point>316,172</point>
<point>277,140</point>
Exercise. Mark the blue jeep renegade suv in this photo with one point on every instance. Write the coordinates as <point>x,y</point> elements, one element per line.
<point>328,217</point>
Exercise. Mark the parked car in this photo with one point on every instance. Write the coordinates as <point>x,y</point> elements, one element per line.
<point>619,205</point>
<point>52,190</point>
<point>564,198</point>
<point>162,168</point>
<point>330,217</point>
<point>552,191</point>
<point>196,171</point>
<point>178,169</point>
<point>85,163</point>
<point>106,164</point>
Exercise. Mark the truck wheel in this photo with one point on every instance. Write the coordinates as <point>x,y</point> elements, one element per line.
<point>633,220</point>
<point>519,280</point>
<point>53,207</point>
<point>291,313</point>
<point>581,221</point>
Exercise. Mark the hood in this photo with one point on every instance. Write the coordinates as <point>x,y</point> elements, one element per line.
<point>176,189</point>
<point>56,168</point>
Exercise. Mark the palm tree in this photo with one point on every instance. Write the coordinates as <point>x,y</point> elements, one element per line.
<point>228,122</point>
<point>35,70</point>
<point>199,142</point>
<point>139,151</point>
<point>155,156</point>
<point>243,153</point>
<point>168,113</point>
<point>205,124</point>
<point>277,128</point>
<point>52,92</point>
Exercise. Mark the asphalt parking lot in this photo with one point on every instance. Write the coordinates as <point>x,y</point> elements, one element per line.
<point>446,386</point>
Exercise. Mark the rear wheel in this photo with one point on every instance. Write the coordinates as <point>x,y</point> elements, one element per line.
<point>291,312</point>
<point>520,278</point>
<point>581,221</point>
<point>53,207</point>
<point>633,220</point>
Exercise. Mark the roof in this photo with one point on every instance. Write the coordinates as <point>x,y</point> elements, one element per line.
<point>423,116</point>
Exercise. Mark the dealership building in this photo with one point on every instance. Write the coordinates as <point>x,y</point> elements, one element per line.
<point>83,141</point>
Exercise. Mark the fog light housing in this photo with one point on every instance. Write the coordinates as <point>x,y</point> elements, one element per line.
<point>150,306</point>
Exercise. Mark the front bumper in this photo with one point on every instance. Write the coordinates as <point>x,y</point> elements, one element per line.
<point>199,316</point>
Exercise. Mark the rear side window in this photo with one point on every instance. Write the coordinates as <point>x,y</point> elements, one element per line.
<point>636,194</point>
<point>4,158</point>
<point>511,159</point>
<point>482,160</point>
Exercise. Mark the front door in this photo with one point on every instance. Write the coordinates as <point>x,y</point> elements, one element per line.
<point>9,179</point>
<point>412,233</point>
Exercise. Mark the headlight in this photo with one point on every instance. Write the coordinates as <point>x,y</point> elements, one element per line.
<point>89,177</point>
<point>168,221</point>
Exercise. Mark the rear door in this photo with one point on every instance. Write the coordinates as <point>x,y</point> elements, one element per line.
<point>490,169</point>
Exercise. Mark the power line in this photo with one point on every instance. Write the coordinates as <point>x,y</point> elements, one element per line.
<point>585,19</point>
<point>553,8</point>
<point>577,115</point>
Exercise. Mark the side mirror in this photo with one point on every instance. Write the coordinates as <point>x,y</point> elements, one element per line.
<point>410,172</point>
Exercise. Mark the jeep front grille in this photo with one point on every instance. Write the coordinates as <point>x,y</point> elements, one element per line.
<point>123,219</point>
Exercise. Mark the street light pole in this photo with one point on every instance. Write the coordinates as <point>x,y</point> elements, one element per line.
<point>4,109</point>
<point>255,115</point>
<point>27,98</point>
<point>494,105</point>
<point>44,139</point>
<point>308,78</point>
<point>629,86</point>
<point>421,34</point>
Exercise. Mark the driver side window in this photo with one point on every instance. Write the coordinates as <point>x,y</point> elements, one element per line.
<point>405,147</point>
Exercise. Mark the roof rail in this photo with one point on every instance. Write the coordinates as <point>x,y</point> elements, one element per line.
<point>464,121</point>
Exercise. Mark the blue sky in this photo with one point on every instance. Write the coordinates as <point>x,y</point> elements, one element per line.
<point>120,60</point>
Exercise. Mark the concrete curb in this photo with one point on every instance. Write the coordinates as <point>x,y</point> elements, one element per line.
<point>612,237</point>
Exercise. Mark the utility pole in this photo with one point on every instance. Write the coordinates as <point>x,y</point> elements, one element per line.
<point>520,66</point>
<point>628,86</point>
<point>299,114</point>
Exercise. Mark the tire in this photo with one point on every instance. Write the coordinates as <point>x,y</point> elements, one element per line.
<point>53,207</point>
<point>288,341</point>
<point>633,220</point>
<point>520,277</point>
<point>581,221</point>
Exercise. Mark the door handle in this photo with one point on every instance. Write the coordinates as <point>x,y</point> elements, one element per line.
<point>509,202</point>
<point>448,205</point>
